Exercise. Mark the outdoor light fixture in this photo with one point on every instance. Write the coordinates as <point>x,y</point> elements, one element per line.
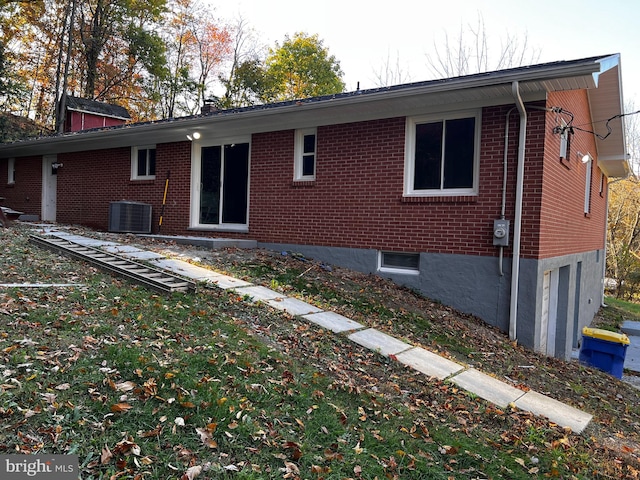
<point>584,157</point>
<point>195,136</point>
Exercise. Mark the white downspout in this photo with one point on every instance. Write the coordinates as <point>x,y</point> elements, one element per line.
<point>517,224</point>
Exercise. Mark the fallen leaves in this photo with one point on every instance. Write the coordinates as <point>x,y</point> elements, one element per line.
<point>169,384</point>
<point>206,435</point>
<point>121,407</point>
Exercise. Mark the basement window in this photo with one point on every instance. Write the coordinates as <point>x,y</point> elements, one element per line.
<point>399,262</point>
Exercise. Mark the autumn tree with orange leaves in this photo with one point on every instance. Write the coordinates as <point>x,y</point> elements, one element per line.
<point>157,58</point>
<point>623,229</point>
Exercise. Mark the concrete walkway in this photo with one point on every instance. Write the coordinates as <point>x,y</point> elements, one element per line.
<point>417,358</point>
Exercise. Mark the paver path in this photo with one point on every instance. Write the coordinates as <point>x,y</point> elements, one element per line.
<point>427,363</point>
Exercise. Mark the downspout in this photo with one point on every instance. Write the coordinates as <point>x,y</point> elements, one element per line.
<point>517,224</point>
<point>604,250</point>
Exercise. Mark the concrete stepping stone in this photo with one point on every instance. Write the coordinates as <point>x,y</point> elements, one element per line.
<point>84,241</point>
<point>142,255</point>
<point>381,342</point>
<point>429,363</point>
<point>558,412</point>
<point>631,327</point>
<point>134,253</point>
<point>487,387</point>
<point>632,354</point>
<point>333,321</point>
<point>181,267</point>
<point>293,306</point>
<point>225,281</point>
<point>197,273</point>
<point>259,293</point>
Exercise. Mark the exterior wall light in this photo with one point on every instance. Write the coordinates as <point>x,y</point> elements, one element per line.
<point>584,157</point>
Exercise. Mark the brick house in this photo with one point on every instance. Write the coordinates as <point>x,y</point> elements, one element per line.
<point>486,192</point>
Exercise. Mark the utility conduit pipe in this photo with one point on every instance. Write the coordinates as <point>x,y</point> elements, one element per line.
<point>505,158</point>
<point>517,224</point>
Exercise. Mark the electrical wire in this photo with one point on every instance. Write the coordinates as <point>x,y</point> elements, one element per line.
<point>571,127</point>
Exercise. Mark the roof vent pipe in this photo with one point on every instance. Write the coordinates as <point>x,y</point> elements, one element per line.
<point>517,227</point>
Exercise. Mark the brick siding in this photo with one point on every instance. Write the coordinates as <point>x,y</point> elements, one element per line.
<point>356,199</point>
<point>26,193</point>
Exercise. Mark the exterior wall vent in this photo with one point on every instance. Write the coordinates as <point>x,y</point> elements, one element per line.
<point>129,217</point>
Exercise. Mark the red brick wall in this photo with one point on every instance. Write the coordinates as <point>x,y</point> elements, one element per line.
<point>89,181</point>
<point>25,195</point>
<point>564,228</point>
<point>356,200</point>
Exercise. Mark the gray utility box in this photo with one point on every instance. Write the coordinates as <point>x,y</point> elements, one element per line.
<point>501,232</point>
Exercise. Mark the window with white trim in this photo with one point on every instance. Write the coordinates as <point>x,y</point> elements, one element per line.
<point>442,154</point>
<point>143,163</point>
<point>399,262</point>
<point>587,184</point>
<point>11,171</point>
<point>305,155</point>
<point>565,141</point>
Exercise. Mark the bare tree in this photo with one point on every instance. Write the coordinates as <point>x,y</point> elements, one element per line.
<point>245,66</point>
<point>391,72</point>
<point>632,131</point>
<point>470,52</point>
<point>623,229</point>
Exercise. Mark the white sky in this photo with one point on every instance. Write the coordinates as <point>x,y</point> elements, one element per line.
<point>363,34</point>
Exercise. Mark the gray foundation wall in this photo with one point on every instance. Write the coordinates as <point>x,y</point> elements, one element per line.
<point>474,285</point>
<point>579,297</point>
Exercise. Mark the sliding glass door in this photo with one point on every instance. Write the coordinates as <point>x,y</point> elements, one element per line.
<point>224,184</point>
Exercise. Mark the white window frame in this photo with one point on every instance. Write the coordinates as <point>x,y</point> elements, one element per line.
<point>11,171</point>
<point>134,163</point>
<point>587,184</point>
<point>397,269</point>
<point>299,154</point>
<point>196,186</point>
<point>565,142</point>
<point>410,149</point>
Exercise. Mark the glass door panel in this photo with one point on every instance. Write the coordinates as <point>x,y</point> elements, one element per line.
<point>210,185</point>
<point>235,186</point>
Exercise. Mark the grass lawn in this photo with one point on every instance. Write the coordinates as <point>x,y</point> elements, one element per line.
<point>209,385</point>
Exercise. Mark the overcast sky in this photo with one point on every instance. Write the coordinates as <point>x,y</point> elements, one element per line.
<point>363,35</point>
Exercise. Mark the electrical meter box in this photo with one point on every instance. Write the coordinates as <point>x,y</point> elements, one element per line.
<point>501,232</point>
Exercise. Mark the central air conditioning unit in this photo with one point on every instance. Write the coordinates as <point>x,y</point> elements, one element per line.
<point>129,217</point>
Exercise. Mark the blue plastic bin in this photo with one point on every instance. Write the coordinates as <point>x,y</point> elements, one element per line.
<point>604,350</point>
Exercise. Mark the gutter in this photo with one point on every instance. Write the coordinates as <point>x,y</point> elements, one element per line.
<point>517,224</point>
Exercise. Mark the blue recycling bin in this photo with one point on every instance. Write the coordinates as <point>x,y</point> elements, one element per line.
<point>604,350</point>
